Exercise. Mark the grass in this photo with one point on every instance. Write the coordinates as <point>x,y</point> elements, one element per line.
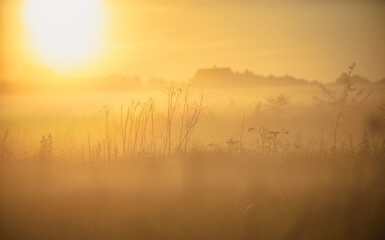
<point>153,169</point>
<point>200,195</point>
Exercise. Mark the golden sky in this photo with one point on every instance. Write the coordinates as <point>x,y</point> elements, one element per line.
<point>171,39</point>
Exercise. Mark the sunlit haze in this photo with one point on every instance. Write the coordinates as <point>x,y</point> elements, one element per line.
<point>192,119</point>
<point>172,39</point>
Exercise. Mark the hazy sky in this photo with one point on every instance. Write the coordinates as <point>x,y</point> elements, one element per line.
<point>171,39</point>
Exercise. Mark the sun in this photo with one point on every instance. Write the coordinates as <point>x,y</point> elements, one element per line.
<point>64,32</point>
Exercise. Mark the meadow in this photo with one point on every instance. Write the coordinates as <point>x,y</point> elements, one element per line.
<point>192,120</point>
<point>184,163</point>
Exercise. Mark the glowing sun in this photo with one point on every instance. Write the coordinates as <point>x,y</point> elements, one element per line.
<point>64,32</point>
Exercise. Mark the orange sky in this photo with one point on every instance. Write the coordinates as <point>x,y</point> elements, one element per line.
<point>308,39</point>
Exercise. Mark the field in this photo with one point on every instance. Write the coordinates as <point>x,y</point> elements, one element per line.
<point>192,120</point>
<point>181,163</point>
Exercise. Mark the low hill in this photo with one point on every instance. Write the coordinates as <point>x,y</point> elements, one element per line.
<point>226,78</point>
<point>355,79</point>
<point>381,82</point>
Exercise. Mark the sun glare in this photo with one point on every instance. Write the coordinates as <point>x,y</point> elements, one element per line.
<point>64,32</point>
